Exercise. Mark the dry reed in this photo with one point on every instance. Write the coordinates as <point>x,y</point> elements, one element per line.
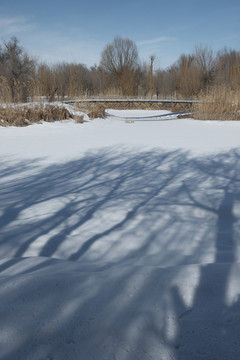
<point>26,115</point>
<point>97,111</point>
<point>219,103</point>
<point>78,118</point>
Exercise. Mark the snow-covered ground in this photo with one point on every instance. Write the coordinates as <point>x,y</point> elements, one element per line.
<point>120,241</point>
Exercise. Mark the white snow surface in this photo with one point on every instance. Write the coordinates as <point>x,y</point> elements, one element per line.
<point>120,241</point>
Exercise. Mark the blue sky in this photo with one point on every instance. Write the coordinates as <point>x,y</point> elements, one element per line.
<point>57,30</point>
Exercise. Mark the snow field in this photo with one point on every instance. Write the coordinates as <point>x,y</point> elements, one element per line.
<point>120,241</point>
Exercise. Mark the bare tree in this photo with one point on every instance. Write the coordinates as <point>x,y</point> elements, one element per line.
<point>228,68</point>
<point>120,59</point>
<point>151,78</point>
<point>205,61</point>
<point>47,81</point>
<point>17,67</point>
<point>188,80</point>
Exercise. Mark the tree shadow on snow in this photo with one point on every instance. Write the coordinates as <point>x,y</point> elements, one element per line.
<point>131,222</point>
<point>208,327</point>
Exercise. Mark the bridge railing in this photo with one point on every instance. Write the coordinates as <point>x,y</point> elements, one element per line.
<point>143,104</point>
<point>120,100</point>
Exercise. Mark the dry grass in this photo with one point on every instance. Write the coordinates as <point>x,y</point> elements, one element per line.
<point>5,91</point>
<point>220,103</point>
<point>26,115</point>
<point>78,118</point>
<point>97,111</point>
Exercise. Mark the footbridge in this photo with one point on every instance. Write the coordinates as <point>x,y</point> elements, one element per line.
<point>143,104</point>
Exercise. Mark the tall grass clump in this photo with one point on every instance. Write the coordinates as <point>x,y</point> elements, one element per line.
<point>97,111</point>
<point>218,103</point>
<point>11,115</point>
<point>5,90</point>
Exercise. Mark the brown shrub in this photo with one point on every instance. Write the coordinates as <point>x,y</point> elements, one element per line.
<point>53,113</point>
<point>97,111</point>
<point>220,103</point>
<point>26,115</point>
<point>78,118</point>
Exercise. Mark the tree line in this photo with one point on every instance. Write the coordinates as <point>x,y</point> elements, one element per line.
<point>119,73</point>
